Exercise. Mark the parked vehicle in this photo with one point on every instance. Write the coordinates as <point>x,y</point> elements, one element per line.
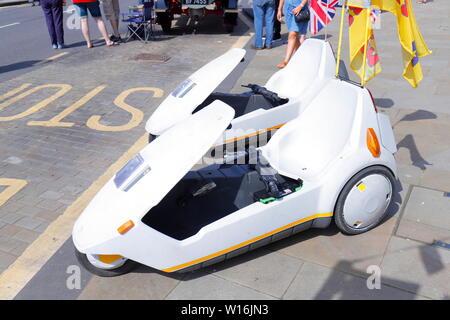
<point>332,160</point>
<point>196,9</point>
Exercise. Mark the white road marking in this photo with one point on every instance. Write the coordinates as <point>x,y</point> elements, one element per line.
<point>9,25</point>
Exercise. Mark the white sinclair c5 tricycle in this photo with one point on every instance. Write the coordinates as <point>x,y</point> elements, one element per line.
<point>331,158</point>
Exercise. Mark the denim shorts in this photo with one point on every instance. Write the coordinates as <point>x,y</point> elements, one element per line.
<point>93,7</point>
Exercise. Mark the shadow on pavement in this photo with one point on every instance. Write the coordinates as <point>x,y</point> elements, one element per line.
<point>18,66</point>
<point>416,158</point>
<point>343,286</point>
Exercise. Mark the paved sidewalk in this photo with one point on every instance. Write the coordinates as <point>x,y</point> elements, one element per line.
<point>315,264</point>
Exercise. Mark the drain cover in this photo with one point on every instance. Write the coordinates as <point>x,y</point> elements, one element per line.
<point>150,57</point>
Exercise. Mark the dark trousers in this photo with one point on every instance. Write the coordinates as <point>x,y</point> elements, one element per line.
<point>276,24</point>
<point>53,11</point>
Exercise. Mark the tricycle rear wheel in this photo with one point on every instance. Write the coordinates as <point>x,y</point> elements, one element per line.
<point>364,201</point>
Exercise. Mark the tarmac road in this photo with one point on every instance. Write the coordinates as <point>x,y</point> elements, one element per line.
<point>25,41</point>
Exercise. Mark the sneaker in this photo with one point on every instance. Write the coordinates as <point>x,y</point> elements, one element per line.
<point>113,38</point>
<point>61,46</point>
<point>54,46</point>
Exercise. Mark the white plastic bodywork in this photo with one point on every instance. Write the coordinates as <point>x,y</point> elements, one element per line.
<point>325,146</point>
<point>309,69</point>
<point>168,158</point>
<point>181,102</point>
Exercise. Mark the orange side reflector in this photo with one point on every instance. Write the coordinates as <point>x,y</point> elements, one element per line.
<point>125,227</point>
<point>372,143</point>
<point>109,258</point>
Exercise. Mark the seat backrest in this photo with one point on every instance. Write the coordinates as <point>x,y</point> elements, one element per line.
<point>306,145</point>
<point>313,60</point>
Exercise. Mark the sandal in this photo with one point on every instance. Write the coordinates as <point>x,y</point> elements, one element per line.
<point>112,44</point>
<point>90,45</point>
<point>282,65</point>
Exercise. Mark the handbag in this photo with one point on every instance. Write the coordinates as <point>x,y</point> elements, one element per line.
<point>303,15</point>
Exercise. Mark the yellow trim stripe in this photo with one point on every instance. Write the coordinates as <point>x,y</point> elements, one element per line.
<point>242,244</point>
<point>253,134</point>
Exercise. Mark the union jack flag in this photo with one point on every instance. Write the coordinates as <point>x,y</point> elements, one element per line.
<point>322,12</point>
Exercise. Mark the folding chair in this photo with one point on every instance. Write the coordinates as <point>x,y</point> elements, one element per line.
<point>140,23</point>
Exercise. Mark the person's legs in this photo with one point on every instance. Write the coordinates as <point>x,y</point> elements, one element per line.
<point>85,31</point>
<point>94,9</point>
<point>57,9</point>
<point>258,14</point>
<point>269,18</point>
<point>47,8</point>
<point>115,19</point>
<point>302,39</point>
<point>276,23</point>
<point>110,7</point>
<point>293,44</point>
<point>102,28</point>
<point>115,26</point>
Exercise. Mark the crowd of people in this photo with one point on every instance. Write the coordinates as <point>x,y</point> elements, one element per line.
<point>265,12</point>
<point>53,12</point>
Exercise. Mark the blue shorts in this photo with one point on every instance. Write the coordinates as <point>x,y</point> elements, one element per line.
<point>93,7</point>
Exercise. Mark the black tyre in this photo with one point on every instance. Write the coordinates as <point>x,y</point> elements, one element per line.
<point>364,201</point>
<point>124,268</point>
<point>151,137</point>
<point>164,21</point>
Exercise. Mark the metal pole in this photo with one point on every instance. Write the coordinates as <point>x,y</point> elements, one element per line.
<point>363,80</point>
<point>338,62</point>
<point>326,23</point>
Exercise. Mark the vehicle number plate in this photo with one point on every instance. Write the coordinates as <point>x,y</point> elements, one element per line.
<point>196,2</point>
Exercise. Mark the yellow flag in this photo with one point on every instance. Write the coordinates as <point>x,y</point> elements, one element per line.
<point>360,35</point>
<point>413,45</point>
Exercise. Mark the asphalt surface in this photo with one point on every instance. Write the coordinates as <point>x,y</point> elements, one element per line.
<point>25,41</point>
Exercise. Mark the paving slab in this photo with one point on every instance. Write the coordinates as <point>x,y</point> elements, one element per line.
<point>143,284</point>
<point>430,207</point>
<point>426,216</point>
<point>263,270</point>
<point>322,283</point>
<point>417,268</point>
<point>328,247</point>
<point>203,286</point>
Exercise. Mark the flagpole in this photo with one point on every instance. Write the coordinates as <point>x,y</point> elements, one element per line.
<point>326,23</point>
<point>338,62</point>
<point>363,80</point>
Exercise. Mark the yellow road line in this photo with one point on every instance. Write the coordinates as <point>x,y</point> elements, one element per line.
<point>14,91</point>
<point>13,279</point>
<point>13,186</point>
<point>51,58</point>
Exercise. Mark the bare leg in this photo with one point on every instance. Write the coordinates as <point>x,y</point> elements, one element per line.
<point>292,45</point>
<point>302,39</point>
<point>85,31</point>
<point>115,26</point>
<point>102,28</point>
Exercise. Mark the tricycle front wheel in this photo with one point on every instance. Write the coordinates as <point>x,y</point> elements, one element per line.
<point>105,265</point>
